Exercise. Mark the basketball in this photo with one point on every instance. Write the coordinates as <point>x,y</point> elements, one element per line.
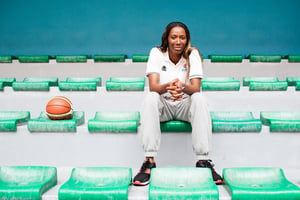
<point>59,108</point>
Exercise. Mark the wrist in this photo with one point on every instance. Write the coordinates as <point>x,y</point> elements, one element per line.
<point>182,86</point>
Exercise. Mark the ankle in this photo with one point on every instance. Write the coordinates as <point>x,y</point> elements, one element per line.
<point>150,159</point>
<point>202,161</point>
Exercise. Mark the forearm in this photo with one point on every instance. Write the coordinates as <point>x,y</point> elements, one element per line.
<point>191,89</point>
<point>159,88</point>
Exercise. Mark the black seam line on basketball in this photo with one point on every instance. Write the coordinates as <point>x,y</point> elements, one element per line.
<point>59,106</point>
<point>60,115</point>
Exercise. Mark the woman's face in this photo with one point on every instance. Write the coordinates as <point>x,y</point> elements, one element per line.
<point>177,40</point>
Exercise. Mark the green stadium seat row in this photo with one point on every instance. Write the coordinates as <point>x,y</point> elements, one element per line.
<point>254,58</point>
<point>31,182</point>
<point>138,84</point>
<point>254,83</point>
<point>128,122</point>
<point>236,58</point>
<point>68,58</point>
<point>74,84</point>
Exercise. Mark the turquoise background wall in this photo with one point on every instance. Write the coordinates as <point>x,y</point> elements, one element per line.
<point>54,27</point>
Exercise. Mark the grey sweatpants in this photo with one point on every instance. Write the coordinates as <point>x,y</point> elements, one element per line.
<point>158,108</point>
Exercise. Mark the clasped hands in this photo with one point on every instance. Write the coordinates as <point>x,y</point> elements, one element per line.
<point>175,88</point>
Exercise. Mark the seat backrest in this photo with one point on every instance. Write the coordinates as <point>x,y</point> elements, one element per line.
<point>26,174</point>
<point>181,177</point>
<point>105,176</point>
<point>231,115</point>
<point>255,175</point>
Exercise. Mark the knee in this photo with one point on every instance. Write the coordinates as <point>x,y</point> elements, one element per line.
<point>198,98</point>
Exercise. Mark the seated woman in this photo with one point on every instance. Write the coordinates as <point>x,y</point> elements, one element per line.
<point>174,71</point>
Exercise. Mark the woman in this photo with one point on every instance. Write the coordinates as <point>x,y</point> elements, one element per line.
<point>174,71</point>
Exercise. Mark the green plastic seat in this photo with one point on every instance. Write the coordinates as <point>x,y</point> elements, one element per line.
<point>7,81</point>
<point>44,124</point>
<point>127,79</point>
<point>80,84</point>
<point>220,84</point>
<point>31,86</point>
<point>234,121</point>
<point>125,84</point>
<point>265,84</point>
<point>26,182</point>
<point>293,58</point>
<point>175,126</point>
<point>298,85</point>
<point>260,184</point>
<point>105,183</point>
<point>248,80</point>
<point>53,81</point>
<point>292,81</point>
<point>268,86</point>
<point>265,58</point>
<point>5,59</point>
<point>140,58</point>
<point>10,119</point>
<point>33,59</point>
<point>35,84</point>
<point>71,58</point>
<point>98,80</point>
<point>226,58</point>
<point>77,86</point>
<point>114,122</point>
<point>110,58</point>
<point>182,183</point>
<point>281,121</point>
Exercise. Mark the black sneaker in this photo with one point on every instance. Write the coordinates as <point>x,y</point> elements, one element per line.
<point>208,164</point>
<point>143,177</point>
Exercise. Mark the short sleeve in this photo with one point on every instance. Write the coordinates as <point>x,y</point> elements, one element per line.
<point>196,70</point>
<point>154,61</point>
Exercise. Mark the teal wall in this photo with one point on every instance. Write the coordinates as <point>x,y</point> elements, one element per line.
<point>91,27</point>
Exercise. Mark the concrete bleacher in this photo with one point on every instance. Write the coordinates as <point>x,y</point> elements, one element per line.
<point>82,148</point>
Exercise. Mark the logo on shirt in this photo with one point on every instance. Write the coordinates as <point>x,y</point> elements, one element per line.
<point>163,68</point>
<point>184,68</point>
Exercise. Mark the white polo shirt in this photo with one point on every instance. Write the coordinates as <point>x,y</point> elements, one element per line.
<point>161,64</point>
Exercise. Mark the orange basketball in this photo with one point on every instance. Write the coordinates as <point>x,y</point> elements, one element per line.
<point>59,108</point>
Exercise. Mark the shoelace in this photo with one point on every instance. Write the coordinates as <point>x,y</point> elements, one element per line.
<point>146,165</point>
